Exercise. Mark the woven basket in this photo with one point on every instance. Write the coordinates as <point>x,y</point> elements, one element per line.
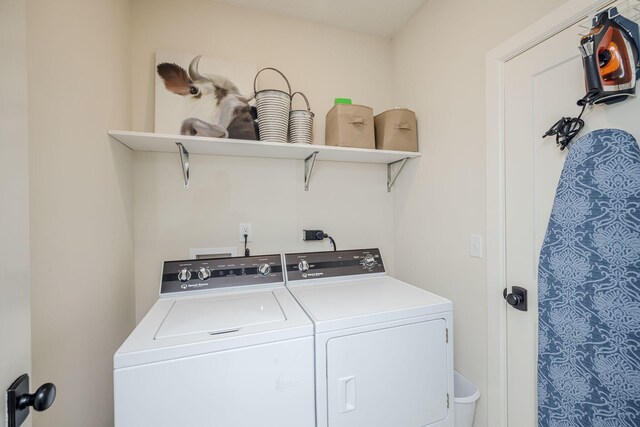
<point>301,123</point>
<point>273,110</point>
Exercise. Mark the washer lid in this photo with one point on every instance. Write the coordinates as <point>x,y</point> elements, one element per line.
<point>205,323</point>
<point>346,303</point>
<point>220,314</point>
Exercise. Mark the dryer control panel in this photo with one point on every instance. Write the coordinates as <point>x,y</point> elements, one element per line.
<point>315,265</point>
<point>203,274</point>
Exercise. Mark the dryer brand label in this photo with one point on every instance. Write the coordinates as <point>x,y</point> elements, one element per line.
<point>312,275</point>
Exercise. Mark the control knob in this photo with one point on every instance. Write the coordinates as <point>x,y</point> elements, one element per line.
<point>264,269</point>
<point>184,275</point>
<point>204,273</point>
<point>369,261</point>
<point>303,265</point>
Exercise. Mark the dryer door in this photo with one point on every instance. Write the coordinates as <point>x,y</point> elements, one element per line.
<point>388,377</point>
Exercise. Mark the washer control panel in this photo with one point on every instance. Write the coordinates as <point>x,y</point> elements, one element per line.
<point>315,265</point>
<point>202,274</point>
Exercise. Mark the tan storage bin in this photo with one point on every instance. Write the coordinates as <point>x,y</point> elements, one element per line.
<point>396,130</point>
<point>350,126</point>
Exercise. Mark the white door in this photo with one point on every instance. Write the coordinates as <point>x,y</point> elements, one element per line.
<point>541,86</point>
<point>15,338</point>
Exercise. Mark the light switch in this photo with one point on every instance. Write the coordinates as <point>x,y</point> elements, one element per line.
<point>475,245</point>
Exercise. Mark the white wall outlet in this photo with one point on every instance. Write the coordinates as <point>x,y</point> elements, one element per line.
<point>475,245</point>
<point>245,228</point>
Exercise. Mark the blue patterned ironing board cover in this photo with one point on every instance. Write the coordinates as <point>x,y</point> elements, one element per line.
<point>589,288</point>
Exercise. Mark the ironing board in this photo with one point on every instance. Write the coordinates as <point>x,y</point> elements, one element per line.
<point>589,288</point>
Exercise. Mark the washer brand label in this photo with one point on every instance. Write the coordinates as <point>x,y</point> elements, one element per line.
<point>194,285</point>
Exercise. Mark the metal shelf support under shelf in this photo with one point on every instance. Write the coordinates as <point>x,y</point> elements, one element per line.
<point>184,161</point>
<point>391,177</point>
<point>309,162</point>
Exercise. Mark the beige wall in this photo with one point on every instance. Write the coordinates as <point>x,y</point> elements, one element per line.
<point>439,65</point>
<point>15,330</point>
<point>81,202</point>
<point>349,201</point>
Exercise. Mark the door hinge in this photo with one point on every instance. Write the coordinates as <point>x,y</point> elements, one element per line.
<point>446,335</point>
<point>447,400</point>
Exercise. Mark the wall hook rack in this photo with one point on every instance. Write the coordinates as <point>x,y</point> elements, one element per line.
<point>630,9</point>
<point>309,162</point>
<point>391,177</point>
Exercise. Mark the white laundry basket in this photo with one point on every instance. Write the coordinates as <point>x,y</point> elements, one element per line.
<point>465,396</point>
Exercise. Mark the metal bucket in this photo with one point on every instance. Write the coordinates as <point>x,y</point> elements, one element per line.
<point>301,123</point>
<point>273,110</point>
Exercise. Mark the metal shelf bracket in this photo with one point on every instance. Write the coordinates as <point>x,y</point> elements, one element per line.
<point>184,161</point>
<point>391,177</point>
<point>309,162</point>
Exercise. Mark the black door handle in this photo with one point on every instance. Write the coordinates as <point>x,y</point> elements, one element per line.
<point>517,298</point>
<point>19,400</point>
<point>41,400</point>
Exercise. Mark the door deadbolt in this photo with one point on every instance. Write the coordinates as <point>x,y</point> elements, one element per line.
<point>517,298</point>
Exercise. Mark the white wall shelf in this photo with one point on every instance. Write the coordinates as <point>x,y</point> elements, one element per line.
<point>185,145</point>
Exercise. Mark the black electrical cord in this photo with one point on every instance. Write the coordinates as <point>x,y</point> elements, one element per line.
<point>568,128</point>
<point>247,252</point>
<point>333,242</point>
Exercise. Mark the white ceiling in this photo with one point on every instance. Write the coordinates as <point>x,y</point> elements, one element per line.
<point>376,17</point>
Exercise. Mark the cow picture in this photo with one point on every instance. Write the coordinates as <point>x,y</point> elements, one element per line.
<point>200,100</point>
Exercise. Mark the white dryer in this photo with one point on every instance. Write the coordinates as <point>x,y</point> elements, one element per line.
<point>226,345</point>
<point>384,348</point>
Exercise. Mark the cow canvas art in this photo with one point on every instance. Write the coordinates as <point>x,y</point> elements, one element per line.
<point>203,96</point>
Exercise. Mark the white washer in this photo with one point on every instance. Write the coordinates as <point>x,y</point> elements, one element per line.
<point>384,348</point>
<point>226,345</point>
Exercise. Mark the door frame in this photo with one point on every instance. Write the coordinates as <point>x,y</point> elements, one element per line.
<point>562,18</point>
